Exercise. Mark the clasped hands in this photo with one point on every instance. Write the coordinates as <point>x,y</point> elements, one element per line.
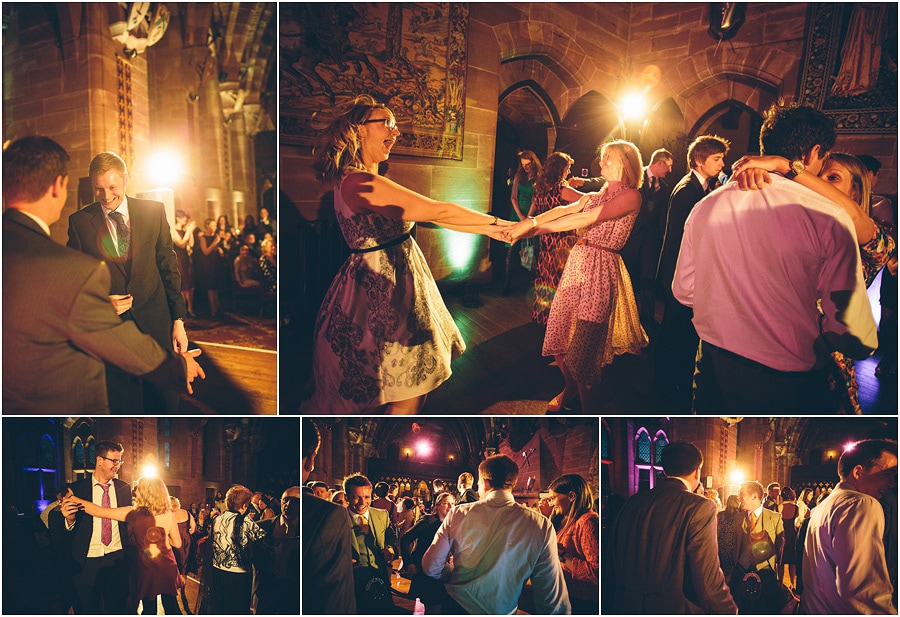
<point>70,505</point>
<point>752,172</point>
<point>508,231</point>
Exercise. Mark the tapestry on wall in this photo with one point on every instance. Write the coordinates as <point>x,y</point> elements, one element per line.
<point>411,57</point>
<point>850,69</point>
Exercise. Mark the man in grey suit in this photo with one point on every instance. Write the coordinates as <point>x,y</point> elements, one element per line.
<point>58,325</point>
<point>133,237</point>
<point>665,555</point>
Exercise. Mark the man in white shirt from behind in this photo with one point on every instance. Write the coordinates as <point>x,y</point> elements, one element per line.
<point>844,566</point>
<point>496,545</point>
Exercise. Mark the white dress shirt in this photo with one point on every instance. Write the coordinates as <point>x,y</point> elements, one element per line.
<point>497,545</point>
<point>844,568</point>
<point>96,547</point>
<point>754,264</point>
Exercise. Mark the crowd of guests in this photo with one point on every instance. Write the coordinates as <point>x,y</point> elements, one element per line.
<point>107,547</point>
<point>675,549</point>
<point>224,259</point>
<point>463,551</point>
<point>606,260</point>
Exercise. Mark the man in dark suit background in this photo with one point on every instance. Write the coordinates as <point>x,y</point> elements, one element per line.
<point>641,251</point>
<point>665,555</point>
<point>327,560</point>
<point>58,325</point>
<point>676,344</point>
<point>99,567</point>
<point>276,580</point>
<point>133,237</point>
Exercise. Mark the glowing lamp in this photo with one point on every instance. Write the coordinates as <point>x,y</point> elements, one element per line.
<point>423,449</point>
<point>736,476</point>
<point>633,106</point>
<point>149,470</point>
<point>849,446</point>
<point>164,168</point>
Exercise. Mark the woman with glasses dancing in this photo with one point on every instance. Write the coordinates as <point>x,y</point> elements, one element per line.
<point>383,337</point>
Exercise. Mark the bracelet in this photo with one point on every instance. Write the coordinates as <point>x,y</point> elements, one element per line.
<point>533,221</point>
<point>496,219</point>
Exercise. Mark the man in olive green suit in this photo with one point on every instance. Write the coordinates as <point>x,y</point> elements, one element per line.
<point>760,541</point>
<point>372,543</point>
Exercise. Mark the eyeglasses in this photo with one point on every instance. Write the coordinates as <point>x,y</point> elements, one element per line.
<point>387,122</point>
<point>115,461</point>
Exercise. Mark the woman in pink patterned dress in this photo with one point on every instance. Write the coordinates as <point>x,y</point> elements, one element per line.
<point>594,315</point>
<point>551,190</point>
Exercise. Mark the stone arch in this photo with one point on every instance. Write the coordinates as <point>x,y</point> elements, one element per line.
<point>704,80</point>
<point>544,53</point>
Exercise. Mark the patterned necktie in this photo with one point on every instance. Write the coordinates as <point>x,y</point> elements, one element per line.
<point>123,236</point>
<point>105,523</point>
<point>364,525</point>
<point>752,520</point>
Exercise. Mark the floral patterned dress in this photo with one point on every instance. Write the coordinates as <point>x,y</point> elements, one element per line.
<point>552,256</point>
<point>874,254</point>
<point>594,316</point>
<point>383,333</point>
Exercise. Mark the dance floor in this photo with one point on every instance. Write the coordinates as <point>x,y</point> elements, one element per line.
<point>241,364</point>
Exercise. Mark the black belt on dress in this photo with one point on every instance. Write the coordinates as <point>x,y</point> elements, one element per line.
<point>386,245</point>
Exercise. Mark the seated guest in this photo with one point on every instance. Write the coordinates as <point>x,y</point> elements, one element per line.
<point>490,548</point>
<point>413,545</point>
<point>578,542</point>
<point>268,264</point>
<point>246,270</point>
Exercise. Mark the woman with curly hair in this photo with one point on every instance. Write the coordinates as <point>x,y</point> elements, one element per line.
<point>551,190</point>
<point>152,534</point>
<point>383,337</point>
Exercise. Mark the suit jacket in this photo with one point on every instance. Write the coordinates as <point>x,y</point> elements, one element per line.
<point>684,197</point>
<point>773,525</point>
<point>59,327</point>
<point>382,536</point>
<point>79,538</point>
<point>152,275</point>
<point>652,214</point>
<point>665,556</point>
<point>327,559</point>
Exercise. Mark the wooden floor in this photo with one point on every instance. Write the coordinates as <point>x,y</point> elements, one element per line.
<point>241,365</point>
<point>502,371</point>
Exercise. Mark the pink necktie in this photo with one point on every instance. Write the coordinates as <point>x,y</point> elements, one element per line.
<point>105,524</point>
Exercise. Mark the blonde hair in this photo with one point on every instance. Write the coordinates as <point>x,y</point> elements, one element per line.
<point>630,157</point>
<point>107,161</point>
<point>338,147</point>
<point>237,497</point>
<point>860,184</point>
<point>176,503</point>
<point>151,493</point>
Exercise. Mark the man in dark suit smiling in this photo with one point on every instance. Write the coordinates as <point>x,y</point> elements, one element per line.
<point>133,237</point>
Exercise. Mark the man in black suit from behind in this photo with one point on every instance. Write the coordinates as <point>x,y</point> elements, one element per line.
<point>328,587</point>
<point>664,554</point>
<point>641,251</point>
<point>676,344</point>
<point>99,567</point>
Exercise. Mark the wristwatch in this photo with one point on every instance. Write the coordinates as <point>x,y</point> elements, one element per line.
<point>797,168</point>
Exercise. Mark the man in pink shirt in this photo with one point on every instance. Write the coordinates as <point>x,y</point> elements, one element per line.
<point>775,282</point>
